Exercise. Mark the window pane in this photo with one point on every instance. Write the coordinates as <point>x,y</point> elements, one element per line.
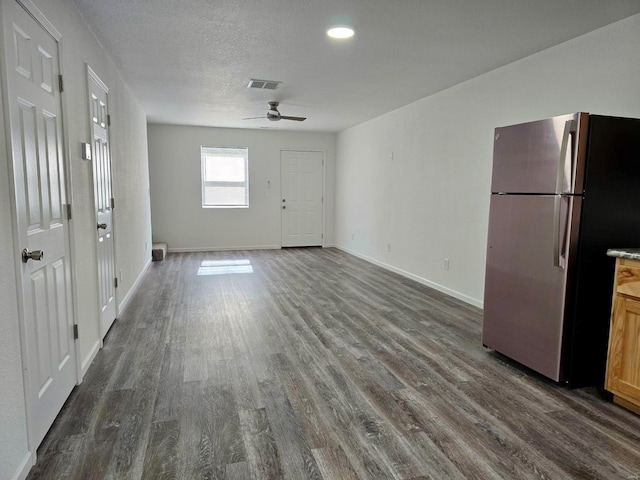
<point>225,195</point>
<point>224,169</point>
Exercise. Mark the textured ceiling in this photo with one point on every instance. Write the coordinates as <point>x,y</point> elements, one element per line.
<point>189,62</point>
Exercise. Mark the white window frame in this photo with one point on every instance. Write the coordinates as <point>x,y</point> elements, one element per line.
<point>224,151</point>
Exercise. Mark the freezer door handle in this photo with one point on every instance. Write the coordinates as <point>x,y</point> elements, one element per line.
<point>563,185</point>
<point>569,130</point>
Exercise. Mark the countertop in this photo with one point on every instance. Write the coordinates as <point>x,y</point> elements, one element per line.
<point>630,253</point>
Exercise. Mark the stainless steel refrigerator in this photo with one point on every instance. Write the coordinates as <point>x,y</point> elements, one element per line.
<point>563,191</point>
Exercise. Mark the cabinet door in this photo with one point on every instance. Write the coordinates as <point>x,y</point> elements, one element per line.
<point>623,365</point>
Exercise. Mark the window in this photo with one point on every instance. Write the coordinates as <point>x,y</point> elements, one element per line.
<point>225,177</point>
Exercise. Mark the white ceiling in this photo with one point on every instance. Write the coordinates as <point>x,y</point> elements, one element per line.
<point>189,62</point>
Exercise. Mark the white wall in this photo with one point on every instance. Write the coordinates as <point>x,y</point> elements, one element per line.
<point>132,214</point>
<point>176,205</point>
<point>132,219</point>
<point>431,200</point>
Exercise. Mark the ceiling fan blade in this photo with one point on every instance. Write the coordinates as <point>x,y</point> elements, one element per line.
<point>297,119</point>
<point>253,118</point>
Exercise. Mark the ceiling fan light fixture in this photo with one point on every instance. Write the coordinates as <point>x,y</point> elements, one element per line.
<point>340,32</point>
<point>274,115</point>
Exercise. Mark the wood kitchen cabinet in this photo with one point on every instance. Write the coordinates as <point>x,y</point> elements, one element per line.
<point>623,361</point>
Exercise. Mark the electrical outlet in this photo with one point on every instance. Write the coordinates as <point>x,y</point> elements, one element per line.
<point>446,264</point>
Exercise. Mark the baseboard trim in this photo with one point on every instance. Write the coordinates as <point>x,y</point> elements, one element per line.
<point>23,469</point>
<point>123,304</point>
<point>222,249</point>
<point>86,363</point>
<point>423,281</point>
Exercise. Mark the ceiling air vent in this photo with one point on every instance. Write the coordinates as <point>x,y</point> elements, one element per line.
<point>263,84</point>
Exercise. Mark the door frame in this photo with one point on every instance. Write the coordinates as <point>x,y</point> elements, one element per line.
<point>48,27</point>
<point>324,187</point>
<point>90,74</point>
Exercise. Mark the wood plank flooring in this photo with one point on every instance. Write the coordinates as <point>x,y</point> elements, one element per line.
<point>312,364</point>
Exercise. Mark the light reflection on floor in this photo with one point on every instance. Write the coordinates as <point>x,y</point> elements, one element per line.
<point>225,267</point>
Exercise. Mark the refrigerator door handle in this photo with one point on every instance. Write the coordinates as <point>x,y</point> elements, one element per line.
<point>562,161</point>
<point>557,254</point>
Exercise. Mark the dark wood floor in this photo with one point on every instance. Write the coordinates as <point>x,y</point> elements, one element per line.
<point>319,365</point>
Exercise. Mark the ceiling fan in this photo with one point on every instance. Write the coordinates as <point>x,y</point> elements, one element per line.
<point>274,115</point>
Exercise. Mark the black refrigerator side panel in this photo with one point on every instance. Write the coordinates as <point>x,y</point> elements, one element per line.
<point>610,219</point>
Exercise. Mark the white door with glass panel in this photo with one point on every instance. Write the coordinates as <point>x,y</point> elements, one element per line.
<point>42,248</point>
<point>302,185</point>
<point>225,177</point>
<point>102,194</point>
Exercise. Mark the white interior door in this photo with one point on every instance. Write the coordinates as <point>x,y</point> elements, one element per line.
<point>302,185</point>
<point>41,224</point>
<point>103,199</point>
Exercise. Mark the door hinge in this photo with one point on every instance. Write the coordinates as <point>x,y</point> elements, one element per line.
<point>68,211</point>
<point>322,235</point>
<point>113,203</point>
<point>108,119</point>
<point>60,84</point>
<point>75,331</point>
<point>115,282</point>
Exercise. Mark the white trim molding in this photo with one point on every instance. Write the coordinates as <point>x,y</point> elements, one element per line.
<point>27,462</point>
<point>123,304</point>
<point>86,363</point>
<point>423,281</point>
<point>222,249</point>
<point>35,12</point>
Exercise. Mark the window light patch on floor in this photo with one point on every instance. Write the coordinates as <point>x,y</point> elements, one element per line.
<point>225,267</point>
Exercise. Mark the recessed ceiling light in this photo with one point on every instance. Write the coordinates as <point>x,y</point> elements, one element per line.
<point>340,31</point>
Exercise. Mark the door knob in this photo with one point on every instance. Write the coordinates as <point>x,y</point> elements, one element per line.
<point>284,207</point>
<point>35,255</point>
<point>284,200</point>
<point>102,226</point>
